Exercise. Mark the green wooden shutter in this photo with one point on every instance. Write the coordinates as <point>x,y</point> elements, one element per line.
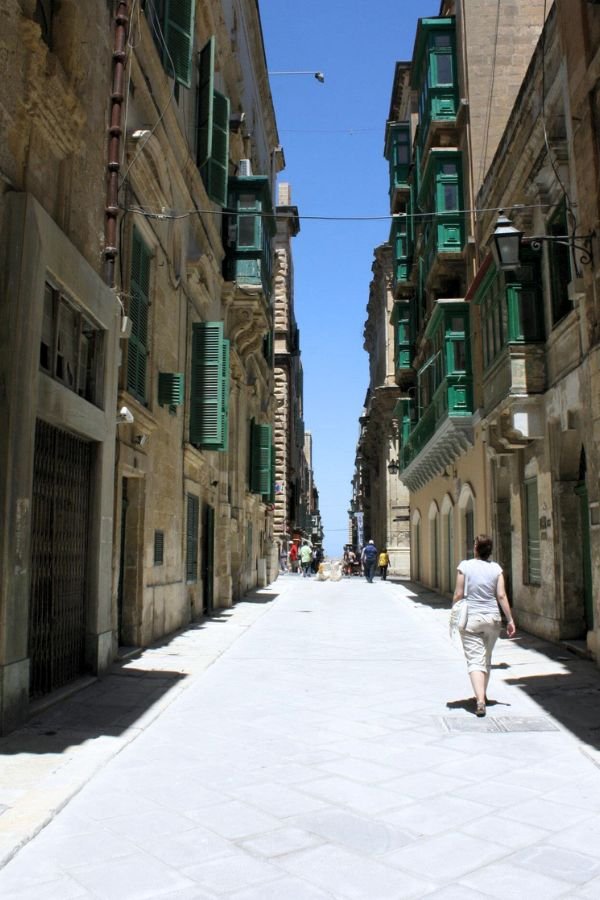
<point>260,474</point>
<point>137,349</point>
<point>179,39</point>
<point>225,397</point>
<point>209,386</point>
<point>270,498</point>
<point>206,71</point>
<point>215,172</point>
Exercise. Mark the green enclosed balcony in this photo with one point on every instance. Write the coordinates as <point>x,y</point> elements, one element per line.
<point>398,153</point>
<point>442,193</point>
<point>404,413</point>
<point>401,244</point>
<point>512,329</point>
<point>403,342</point>
<point>443,430</point>
<point>434,77</point>
<point>249,228</point>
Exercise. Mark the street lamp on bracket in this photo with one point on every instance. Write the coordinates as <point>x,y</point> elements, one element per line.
<point>506,244</point>
<point>320,76</point>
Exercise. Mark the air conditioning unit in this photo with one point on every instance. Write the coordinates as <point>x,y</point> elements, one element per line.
<point>245,168</point>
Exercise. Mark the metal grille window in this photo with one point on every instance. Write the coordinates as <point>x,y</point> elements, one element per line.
<point>191,555</point>
<point>532,532</point>
<point>71,346</point>
<point>60,512</point>
<point>159,548</point>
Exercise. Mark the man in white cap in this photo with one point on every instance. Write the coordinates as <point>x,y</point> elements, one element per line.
<point>368,559</point>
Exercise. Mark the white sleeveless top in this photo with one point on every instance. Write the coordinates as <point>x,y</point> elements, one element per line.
<point>481,579</point>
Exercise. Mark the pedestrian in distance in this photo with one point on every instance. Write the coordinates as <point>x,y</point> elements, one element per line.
<point>383,563</point>
<point>481,582</point>
<point>293,556</point>
<point>283,559</point>
<point>306,556</point>
<point>317,558</point>
<point>368,559</point>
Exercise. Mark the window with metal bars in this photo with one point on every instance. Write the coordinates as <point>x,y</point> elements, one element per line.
<point>159,548</point>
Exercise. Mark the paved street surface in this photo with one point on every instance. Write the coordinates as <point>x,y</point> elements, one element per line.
<point>317,741</point>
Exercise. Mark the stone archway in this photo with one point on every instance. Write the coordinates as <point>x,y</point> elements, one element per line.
<point>467,521</point>
<point>572,537</point>
<point>415,546</point>
<point>434,545</point>
<point>447,540</point>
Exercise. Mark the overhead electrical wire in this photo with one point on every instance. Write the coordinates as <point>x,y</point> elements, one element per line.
<point>167,215</point>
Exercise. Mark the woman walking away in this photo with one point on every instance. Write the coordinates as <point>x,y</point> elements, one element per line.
<point>383,563</point>
<point>481,582</point>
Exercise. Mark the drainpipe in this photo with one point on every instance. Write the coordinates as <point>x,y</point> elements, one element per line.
<point>115,132</point>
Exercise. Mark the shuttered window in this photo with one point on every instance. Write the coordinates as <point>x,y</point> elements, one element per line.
<point>209,386</point>
<point>532,531</point>
<point>191,550</point>
<point>213,129</point>
<point>178,30</point>
<point>139,298</point>
<point>261,455</point>
<point>172,26</point>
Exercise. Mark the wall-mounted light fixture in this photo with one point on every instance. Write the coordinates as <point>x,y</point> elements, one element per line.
<point>393,467</point>
<point>506,244</point>
<point>124,416</point>
<point>318,75</point>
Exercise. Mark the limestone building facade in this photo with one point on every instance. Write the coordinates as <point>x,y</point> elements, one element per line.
<point>383,500</point>
<point>136,328</point>
<point>498,369</point>
<point>540,336</point>
<point>294,504</point>
<point>448,107</point>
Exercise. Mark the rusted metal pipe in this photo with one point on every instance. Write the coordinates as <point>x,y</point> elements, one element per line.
<point>115,132</point>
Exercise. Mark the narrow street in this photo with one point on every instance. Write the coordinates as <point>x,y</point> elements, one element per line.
<point>316,741</point>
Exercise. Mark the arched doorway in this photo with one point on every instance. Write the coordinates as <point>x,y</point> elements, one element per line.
<point>415,546</point>
<point>448,560</point>
<point>586,551</point>
<point>434,544</point>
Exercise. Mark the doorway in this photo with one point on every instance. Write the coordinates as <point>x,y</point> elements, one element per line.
<point>208,560</point>
<point>59,566</point>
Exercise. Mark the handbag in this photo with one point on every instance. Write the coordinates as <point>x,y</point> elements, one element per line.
<point>459,615</point>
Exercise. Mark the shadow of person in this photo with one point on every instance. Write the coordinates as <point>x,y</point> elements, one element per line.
<point>469,704</point>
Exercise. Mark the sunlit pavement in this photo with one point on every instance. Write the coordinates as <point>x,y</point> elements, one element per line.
<point>317,741</point>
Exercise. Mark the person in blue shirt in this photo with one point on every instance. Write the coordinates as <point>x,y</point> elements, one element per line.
<point>368,558</point>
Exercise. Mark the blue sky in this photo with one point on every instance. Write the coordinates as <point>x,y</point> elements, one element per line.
<point>332,135</point>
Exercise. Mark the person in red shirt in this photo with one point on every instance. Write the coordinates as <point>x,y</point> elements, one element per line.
<point>293,556</point>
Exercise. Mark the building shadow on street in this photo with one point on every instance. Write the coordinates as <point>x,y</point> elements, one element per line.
<point>123,698</point>
<point>107,707</point>
<point>569,691</point>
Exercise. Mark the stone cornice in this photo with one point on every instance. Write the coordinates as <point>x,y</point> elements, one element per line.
<point>451,441</point>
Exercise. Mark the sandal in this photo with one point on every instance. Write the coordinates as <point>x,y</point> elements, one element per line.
<point>480,709</point>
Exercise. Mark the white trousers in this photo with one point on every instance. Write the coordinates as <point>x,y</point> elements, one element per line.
<point>478,640</point>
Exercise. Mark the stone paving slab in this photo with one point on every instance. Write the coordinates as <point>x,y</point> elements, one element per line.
<point>317,741</point>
